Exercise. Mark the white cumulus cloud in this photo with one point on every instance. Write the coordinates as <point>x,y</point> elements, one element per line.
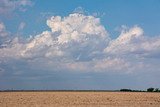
<point>125,41</point>
<point>133,42</point>
<point>80,42</point>
<point>77,37</point>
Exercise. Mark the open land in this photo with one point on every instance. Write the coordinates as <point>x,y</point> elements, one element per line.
<point>79,99</point>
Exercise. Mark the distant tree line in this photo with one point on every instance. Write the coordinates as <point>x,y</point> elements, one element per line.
<point>123,90</point>
<point>148,90</point>
<point>153,90</point>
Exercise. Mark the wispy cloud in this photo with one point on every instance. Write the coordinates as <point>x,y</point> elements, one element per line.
<point>21,26</point>
<point>8,6</point>
<point>3,32</point>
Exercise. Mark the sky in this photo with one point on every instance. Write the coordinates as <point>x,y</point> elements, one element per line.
<point>85,44</point>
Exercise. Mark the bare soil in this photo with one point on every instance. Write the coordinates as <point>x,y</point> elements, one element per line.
<point>79,99</point>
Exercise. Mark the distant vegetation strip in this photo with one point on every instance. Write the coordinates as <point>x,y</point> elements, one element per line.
<point>148,90</point>
<point>121,90</point>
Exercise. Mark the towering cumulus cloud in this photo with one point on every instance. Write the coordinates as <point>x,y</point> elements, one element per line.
<point>80,43</point>
<point>76,37</point>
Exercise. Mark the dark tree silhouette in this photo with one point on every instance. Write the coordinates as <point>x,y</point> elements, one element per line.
<point>157,90</point>
<point>150,89</point>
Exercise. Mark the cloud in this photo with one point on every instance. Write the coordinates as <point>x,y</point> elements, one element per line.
<point>21,26</point>
<point>76,37</point>
<point>104,65</point>
<point>7,6</point>
<point>80,43</point>
<point>3,32</point>
<point>133,42</point>
<point>125,42</point>
<point>79,10</point>
<point>78,46</point>
<point>79,35</point>
<point>4,35</point>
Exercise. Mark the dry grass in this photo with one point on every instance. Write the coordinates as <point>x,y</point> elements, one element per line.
<point>68,99</point>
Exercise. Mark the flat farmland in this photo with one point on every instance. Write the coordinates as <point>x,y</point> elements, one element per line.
<point>84,99</point>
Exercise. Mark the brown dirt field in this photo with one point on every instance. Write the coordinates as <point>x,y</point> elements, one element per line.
<point>72,99</point>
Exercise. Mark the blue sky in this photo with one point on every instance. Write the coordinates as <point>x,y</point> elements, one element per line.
<point>85,44</point>
<point>113,14</point>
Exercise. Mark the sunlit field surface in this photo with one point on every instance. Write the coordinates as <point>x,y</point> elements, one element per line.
<point>56,99</point>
